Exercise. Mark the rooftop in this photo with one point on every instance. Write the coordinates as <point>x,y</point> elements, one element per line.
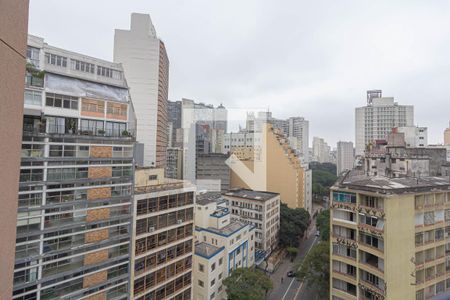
<point>209,197</point>
<point>251,194</point>
<point>162,185</point>
<point>207,250</point>
<point>385,185</point>
<point>227,230</point>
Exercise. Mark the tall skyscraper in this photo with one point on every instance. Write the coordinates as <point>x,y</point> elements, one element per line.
<point>76,178</point>
<point>144,59</point>
<point>345,156</point>
<point>321,150</point>
<point>375,120</point>
<point>299,128</point>
<point>13,51</point>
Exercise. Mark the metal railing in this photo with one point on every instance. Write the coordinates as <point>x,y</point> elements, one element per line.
<point>74,130</point>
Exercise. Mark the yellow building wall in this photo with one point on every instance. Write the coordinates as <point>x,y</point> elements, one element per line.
<point>284,175</point>
<point>399,246</point>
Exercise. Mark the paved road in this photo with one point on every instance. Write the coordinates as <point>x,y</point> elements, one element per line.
<point>291,288</point>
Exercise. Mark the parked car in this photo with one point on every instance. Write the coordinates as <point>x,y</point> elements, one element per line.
<point>290,274</point>
<point>317,233</point>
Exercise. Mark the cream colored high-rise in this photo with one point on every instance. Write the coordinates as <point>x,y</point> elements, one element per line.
<point>390,238</point>
<point>447,136</point>
<point>146,65</point>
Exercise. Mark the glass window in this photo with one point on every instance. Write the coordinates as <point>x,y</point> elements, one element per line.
<point>33,97</point>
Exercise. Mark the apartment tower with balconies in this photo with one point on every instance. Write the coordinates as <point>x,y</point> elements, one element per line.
<point>76,178</point>
<point>390,237</point>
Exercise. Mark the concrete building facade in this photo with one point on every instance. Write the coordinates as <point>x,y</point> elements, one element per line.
<point>275,167</point>
<point>415,136</point>
<point>144,60</point>
<point>345,156</point>
<point>213,167</point>
<point>221,246</point>
<point>174,164</point>
<point>161,263</point>
<point>321,150</point>
<point>13,57</point>
<point>375,120</point>
<point>389,237</point>
<point>261,210</point>
<point>76,176</point>
<point>447,136</point>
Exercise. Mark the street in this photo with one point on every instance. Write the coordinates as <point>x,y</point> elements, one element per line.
<point>291,288</point>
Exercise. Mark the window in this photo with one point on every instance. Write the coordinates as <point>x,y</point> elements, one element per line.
<point>93,106</point>
<point>201,268</point>
<point>220,261</point>
<point>200,283</point>
<point>115,128</point>
<point>220,276</point>
<point>213,282</point>
<point>56,60</point>
<point>61,101</point>
<point>213,267</point>
<point>33,97</point>
<point>107,72</point>
<point>91,125</point>
<point>116,109</point>
<point>213,295</point>
<point>33,56</point>
<point>82,66</point>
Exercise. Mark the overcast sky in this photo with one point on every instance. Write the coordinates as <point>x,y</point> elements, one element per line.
<point>314,59</point>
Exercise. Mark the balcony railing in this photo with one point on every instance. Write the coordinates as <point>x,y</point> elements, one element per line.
<point>81,131</point>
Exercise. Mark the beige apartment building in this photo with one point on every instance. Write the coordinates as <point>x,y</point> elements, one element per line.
<point>13,49</point>
<point>161,263</point>
<point>390,237</point>
<point>276,168</point>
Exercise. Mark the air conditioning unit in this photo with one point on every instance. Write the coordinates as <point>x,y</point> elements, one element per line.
<point>151,229</point>
<point>179,221</point>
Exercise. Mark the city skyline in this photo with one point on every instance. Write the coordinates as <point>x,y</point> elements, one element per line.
<point>404,58</point>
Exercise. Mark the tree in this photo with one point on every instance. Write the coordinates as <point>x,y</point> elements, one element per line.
<point>323,224</point>
<point>247,284</point>
<point>323,177</point>
<point>293,223</point>
<point>315,269</point>
<point>292,251</point>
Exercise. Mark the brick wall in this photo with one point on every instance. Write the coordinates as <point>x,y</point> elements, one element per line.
<point>101,151</point>
<point>100,172</point>
<point>99,193</point>
<point>95,278</point>
<point>96,257</point>
<point>97,235</point>
<point>97,214</point>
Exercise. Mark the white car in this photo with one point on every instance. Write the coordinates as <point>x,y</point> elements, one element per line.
<point>317,233</point>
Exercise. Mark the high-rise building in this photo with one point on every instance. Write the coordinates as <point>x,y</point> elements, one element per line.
<point>389,237</point>
<point>447,136</point>
<point>161,264</point>
<point>415,136</point>
<point>13,54</point>
<point>203,127</point>
<point>321,150</point>
<point>144,59</point>
<point>174,114</point>
<point>174,164</point>
<point>76,178</point>
<point>375,120</point>
<point>260,209</point>
<point>275,167</point>
<point>345,156</point>
<point>221,246</point>
<point>299,128</point>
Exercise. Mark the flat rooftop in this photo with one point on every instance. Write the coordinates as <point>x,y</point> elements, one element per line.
<point>387,185</point>
<point>162,185</point>
<point>206,250</point>
<point>209,197</point>
<point>251,194</point>
<point>227,230</point>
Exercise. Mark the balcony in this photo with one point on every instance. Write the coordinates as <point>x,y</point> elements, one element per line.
<point>371,211</point>
<point>76,130</point>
